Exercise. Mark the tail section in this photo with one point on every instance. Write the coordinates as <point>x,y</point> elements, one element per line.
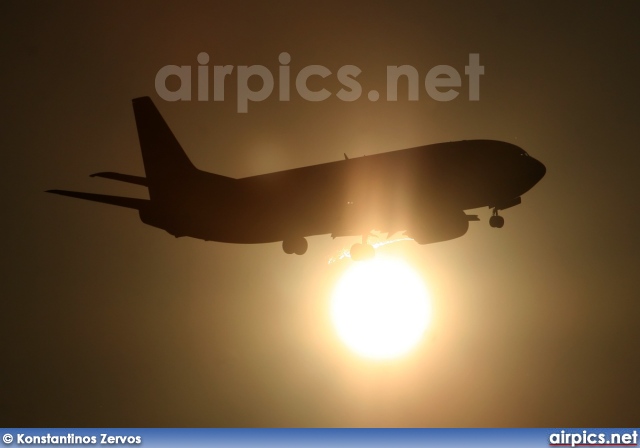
<point>123,178</point>
<point>120,201</point>
<point>171,178</point>
<point>165,162</point>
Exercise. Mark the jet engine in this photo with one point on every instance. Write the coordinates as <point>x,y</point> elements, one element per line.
<point>439,226</point>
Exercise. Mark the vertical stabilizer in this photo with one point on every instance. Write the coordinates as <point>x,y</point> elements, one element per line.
<point>165,162</point>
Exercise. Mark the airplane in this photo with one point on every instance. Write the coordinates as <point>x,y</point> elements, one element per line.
<point>422,191</point>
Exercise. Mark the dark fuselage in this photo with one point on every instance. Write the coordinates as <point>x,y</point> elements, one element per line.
<point>423,191</point>
<point>386,192</point>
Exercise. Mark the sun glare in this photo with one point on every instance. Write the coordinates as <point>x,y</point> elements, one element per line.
<point>380,308</point>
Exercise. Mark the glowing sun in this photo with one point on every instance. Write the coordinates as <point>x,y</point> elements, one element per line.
<point>380,308</point>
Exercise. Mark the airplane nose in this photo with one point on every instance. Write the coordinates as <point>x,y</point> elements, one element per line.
<point>538,169</point>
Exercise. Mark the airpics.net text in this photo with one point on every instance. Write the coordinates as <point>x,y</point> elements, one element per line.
<point>440,82</point>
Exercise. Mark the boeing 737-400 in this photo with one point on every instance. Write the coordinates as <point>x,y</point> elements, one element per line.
<point>423,191</point>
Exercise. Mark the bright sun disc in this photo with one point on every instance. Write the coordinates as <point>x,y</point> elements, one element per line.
<point>380,308</point>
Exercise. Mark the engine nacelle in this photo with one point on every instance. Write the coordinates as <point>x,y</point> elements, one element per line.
<point>439,226</point>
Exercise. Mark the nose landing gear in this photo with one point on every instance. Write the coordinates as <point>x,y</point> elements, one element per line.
<point>496,221</point>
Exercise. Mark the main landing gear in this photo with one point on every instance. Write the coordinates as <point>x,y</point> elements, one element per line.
<point>362,251</point>
<point>296,246</point>
<point>496,221</point>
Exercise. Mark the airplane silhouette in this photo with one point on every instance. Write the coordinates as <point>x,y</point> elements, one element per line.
<point>422,191</point>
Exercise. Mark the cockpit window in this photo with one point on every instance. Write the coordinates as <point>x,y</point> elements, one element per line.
<point>524,153</point>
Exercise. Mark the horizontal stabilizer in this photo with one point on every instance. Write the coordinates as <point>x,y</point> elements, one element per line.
<point>120,201</point>
<point>123,178</point>
<point>473,218</point>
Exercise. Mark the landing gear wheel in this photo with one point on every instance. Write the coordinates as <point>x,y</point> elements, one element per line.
<point>496,221</point>
<point>361,252</point>
<point>287,247</point>
<point>301,246</point>
<point>296,246</point>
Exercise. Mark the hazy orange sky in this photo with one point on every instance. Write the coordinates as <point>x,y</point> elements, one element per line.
<point>109,322</point>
